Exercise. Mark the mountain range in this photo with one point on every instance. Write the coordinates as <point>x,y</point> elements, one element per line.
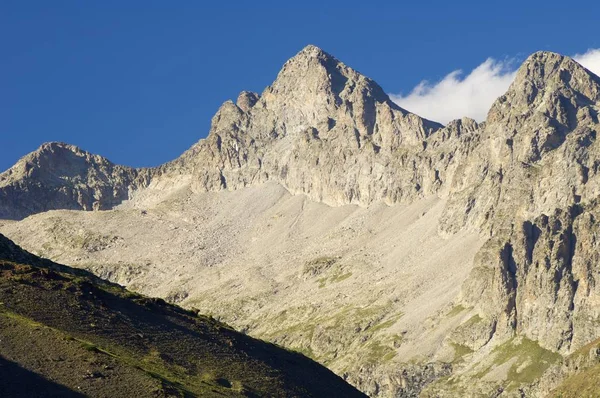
<point>411,258</point>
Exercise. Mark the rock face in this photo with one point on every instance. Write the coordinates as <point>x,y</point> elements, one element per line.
<point>535,189</point>
<point>61,176</point>
<point>537,149</point>
<point>321,129</point>
<point>525,182</point>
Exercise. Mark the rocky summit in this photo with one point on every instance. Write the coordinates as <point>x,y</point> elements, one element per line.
<point>411,258</point>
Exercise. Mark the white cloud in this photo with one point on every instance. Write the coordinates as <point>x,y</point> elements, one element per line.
<point>590,59</point>
<point>454,97</point>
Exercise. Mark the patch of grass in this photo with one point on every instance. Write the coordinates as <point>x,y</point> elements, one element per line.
<point>460,351</point>
<point>585,350</point>
<point>306,351</point>
<point>322,282</point>
<point>379,353</point>
<point>456,310</point>
<point>531,361</point>
<point>22,319</point>
<point>584,384</point>
<point>386,324</point>
<point>335,278</point>
<point>396,340</point>
<point>90,347</point>
<point>304,333</point>
<point>298,329</point>
<point>475,319</point>
<point>340,277</point>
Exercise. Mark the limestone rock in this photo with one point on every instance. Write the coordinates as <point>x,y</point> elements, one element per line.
<point>61,176</point>
<point>247,100</point>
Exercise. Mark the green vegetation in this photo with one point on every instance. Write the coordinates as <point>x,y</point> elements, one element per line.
<point>456,310</point>
<point>155,348</point>
<point>582,385</point>
<point>530,361</point>
<point>304,333</point>
<point>340,277</point>
<point>322,282</point>
<point>335,278</point>
<point>585,384</point>
<point>475,319</point>
<point>386,324</point>
<point>396,340</point>
<point>378,353</point>
<point>460,351</point>
<point>325,265</point>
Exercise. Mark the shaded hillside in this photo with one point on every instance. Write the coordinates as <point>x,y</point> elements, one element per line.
<point>66,333</point>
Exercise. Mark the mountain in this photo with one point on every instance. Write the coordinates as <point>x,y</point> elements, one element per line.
<point>68,333</point>
<point>411,258</point>
<point>318,112</point>
<point>61,176</point>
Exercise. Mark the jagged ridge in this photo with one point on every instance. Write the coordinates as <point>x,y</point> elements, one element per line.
<point>526,179</point>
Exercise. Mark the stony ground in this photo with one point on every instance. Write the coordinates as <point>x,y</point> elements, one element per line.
<point>349,286</point>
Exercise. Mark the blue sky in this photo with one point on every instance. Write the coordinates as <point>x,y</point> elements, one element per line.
<point>138,81</point>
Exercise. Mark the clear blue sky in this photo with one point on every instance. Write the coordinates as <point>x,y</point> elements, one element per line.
<point>138,81</point>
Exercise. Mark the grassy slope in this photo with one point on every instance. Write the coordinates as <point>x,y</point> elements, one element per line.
<point>582,385</point>
<point>585,383</point>
<point>65,332</point>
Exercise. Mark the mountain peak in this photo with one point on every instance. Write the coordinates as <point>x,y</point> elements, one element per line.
<point>63,176</point>
<point>313,51</point>
<point>549,71</point>
<point>544,55</point>
<point>311,57</point>
<point>551,84</point>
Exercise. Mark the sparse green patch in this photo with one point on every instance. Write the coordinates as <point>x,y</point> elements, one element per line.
<point>328,270</point>
<point>386,324</point>
<point>306,351</point>
<point>585,384</point>
<point>89,347</point>
<point>585,350</point>
<point>340,277</point>
<point>335,278</point>
<point>460,351</point>
<point>322,282</point>
<point>530,361</point>
<point>396,340</point>
<point>379,353</point>
<point>456,310</point>
<point>22,319</point>
<point>307,334</point>
<point>475,319</point>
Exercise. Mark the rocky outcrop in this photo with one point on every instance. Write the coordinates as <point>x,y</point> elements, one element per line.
<point>61,176</point>
<point>321,129</point>
<point>532,186</point>
<point>534,189</point>
<point>537,149</point>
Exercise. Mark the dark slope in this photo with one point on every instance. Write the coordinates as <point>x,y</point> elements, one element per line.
<point>64,333</point>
